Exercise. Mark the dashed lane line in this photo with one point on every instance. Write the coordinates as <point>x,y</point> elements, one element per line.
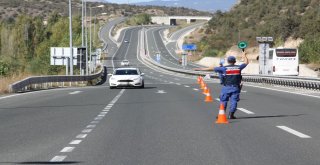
<point>294,132</point>
<point>75,92</point>
<point>81,136</point>
<point>245,111</point>
<point>75,142</point>
<point>67,149</point>
<point>58,158</point>
<point>88,129</point>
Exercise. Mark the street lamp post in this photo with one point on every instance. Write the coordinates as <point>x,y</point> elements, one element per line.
<point>70,33</point>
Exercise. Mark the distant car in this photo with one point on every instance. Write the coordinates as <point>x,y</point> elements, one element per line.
<point>125,63</point>
<point>126,77</point>
<point>125,41</point>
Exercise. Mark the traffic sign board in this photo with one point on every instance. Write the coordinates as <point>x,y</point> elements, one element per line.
<point>242,45</point>
<point>189,47</point>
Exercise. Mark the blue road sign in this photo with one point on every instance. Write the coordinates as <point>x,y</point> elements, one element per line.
<point>189,47</point>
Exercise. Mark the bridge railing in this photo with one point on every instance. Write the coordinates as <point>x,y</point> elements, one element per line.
<point>291,81</point>
<point>47,82</point>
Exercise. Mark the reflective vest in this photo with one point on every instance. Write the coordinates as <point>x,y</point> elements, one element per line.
<point>232,75</point>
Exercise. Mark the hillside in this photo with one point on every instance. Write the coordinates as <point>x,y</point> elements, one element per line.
<point>203,5</point>
<point>13,8</point>
<point>295,19</point>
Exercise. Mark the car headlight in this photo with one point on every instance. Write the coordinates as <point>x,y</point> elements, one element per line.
<point>112,79</point>
<point>136,79</point>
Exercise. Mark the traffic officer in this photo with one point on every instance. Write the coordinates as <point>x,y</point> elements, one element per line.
<point>231,82</point>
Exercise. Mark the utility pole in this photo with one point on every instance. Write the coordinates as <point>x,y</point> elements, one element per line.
<point>90,38</point>
<point>70,33</point>
<point>86,37</point>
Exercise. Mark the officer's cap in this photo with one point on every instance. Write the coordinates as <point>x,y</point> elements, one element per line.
<point>231,59</point>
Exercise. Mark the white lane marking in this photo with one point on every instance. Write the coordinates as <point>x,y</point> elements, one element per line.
<point>299,134</point>
<point>67,149</point>
<point>91,126</point>
<point>75,142</point>
<point>82,136</point>
<point>98,118</point>
<point>187,86</point>
<point>94,122</point>
<point>106,110</point>
<point>103,113</point>
<point>161,91</point>
<point>86,130</point>
<point>279,90</point>
<point>75,92</point>
<point>243,91</point>
<point>58,158</point>
<point>178,83</point>
<point>195,89</point>
<point>245,111</point>
<point>218,99</point>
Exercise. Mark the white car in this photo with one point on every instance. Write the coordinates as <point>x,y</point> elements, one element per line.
<point>125,63</point>
<point>126,77</point>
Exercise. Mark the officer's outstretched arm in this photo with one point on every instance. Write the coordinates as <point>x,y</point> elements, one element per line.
<point>245,58</point>
<point>203,69</point>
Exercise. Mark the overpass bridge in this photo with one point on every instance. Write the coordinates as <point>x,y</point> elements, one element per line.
<point>172,20</point>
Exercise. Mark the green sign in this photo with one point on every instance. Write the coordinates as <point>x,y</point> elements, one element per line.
<point>242,45</point>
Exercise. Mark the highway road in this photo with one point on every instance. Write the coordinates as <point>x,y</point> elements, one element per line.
<point>168,122</point>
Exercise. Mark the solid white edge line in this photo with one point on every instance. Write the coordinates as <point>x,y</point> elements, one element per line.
<point>294,132</point>
<point>279,90</point>
<point>245,111</point>
<point>58,158</point>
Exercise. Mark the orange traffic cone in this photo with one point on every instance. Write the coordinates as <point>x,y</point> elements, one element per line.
<point>222,118</point>
<point>206,90</point>
<point>202,85</point>
<point>208,97</point>
<point>199,79</point>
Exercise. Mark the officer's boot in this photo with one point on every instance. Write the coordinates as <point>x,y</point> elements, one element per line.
<point>231,115</point>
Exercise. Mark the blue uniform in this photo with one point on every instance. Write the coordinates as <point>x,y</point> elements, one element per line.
<point>231,84</point>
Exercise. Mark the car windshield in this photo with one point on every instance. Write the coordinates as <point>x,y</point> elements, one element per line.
<point>126,72</point>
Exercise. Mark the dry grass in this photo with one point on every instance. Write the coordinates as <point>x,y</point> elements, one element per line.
<point>6,81</point>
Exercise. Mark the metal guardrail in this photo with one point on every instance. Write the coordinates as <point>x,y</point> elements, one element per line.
<point>22,85</point>
<point>292,81</point>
